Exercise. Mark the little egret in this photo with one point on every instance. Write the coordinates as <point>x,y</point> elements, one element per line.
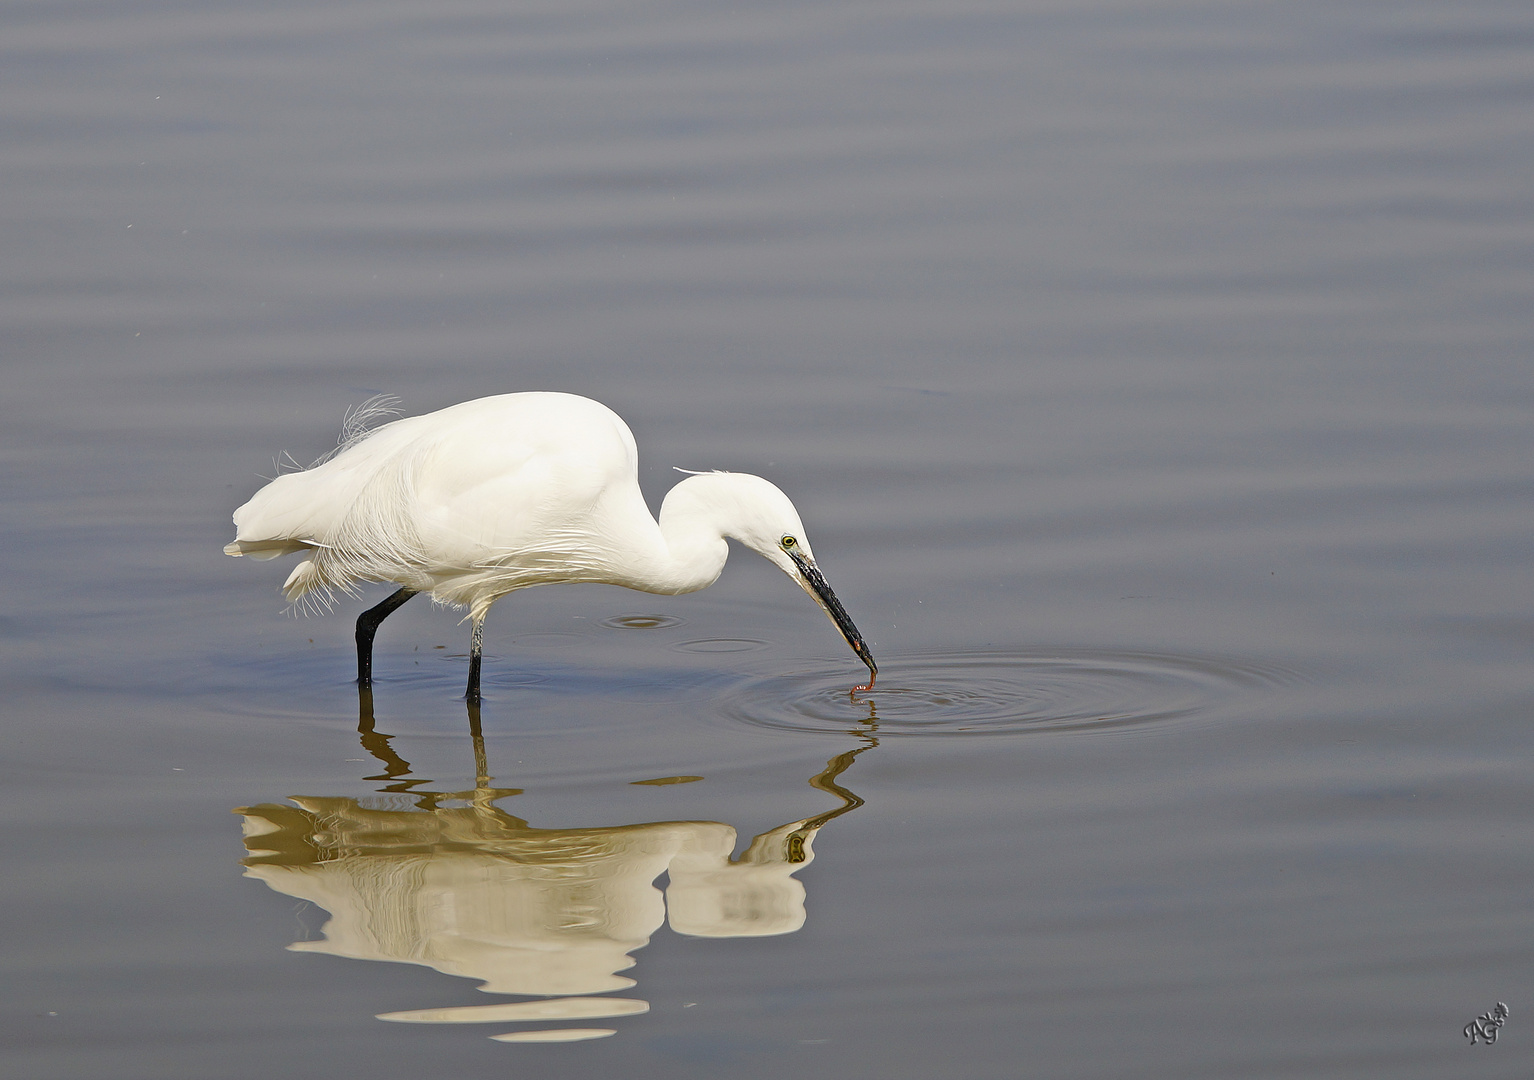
<point>502,493</point>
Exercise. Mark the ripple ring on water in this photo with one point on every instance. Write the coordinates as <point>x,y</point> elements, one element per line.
<point>721,645</point>
<point>974,693</point>
<point>642,622</point>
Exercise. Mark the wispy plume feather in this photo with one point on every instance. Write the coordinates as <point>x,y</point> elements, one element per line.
<point>360,421</point>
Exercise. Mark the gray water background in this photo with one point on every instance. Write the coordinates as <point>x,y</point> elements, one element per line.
<point>1170,355</point>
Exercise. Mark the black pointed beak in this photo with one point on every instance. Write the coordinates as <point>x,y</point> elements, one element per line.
<point>815,584</point>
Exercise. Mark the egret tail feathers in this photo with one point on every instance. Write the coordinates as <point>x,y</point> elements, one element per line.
<point>263,549</point>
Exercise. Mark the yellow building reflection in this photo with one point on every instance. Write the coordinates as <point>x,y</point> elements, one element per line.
<point>553,914</point>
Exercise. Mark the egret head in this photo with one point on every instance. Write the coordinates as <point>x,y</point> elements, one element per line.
<point>756,513</point>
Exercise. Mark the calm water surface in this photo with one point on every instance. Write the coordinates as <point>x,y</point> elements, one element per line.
<point>1153,379</point>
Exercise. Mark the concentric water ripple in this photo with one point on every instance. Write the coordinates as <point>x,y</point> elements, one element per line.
<point>721,645</point>
<point>642,622</point>
<point>1010,693</point>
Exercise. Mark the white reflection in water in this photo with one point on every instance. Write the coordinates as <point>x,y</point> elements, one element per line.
<point>570,1008</point>
<point>472,891</point>
<point>554,1036</point>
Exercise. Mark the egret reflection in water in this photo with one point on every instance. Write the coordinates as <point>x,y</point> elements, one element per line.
<point>457,884</point>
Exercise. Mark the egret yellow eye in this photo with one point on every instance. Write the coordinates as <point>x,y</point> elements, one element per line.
<point>788,542</point>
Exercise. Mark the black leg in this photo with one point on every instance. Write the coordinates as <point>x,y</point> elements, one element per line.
<point>367,626</point>
<point>475,640</point>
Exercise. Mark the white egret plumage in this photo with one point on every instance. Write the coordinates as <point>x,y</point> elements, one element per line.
<point>481,499</point>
